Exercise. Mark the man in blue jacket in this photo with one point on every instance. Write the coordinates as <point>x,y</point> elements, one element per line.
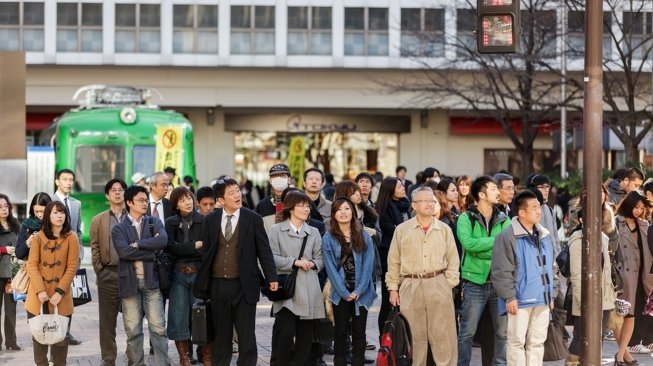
<point>522,273</point>
<point>136,239</point>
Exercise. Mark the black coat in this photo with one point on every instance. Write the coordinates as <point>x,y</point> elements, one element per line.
<point>389,220</point>
<point>167,210</point>
<point>253,247</point>
<point>184,252</point>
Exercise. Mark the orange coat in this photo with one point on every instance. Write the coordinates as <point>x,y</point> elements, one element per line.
<point>49,260</point>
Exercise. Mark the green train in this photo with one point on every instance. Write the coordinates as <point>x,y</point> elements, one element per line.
<point>114,133</point>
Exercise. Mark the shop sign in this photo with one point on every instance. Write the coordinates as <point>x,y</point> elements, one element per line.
<point>316,123</point>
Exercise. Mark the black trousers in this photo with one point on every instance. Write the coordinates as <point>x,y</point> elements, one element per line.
<point>229,309</point>
<point>10,314</point>
<point>385,294</point>
<point>643,323</point>
<point>342,313</point>
<point>109,307</point>
<point>575,344</point>
<point>292,339</point>
<point>58,351</point>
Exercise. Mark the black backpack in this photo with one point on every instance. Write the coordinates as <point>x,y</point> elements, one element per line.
<point>396,347</point>
<point>564,262</point>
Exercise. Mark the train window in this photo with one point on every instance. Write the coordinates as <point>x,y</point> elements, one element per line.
<point>96,165</point>
<point>143,159</point>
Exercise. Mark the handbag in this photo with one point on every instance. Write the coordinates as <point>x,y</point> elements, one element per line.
<point>286,289</point>
<point>202,324</point>
<point>555,347</point>
<point>162,261</point>
<point>49,329</point>
<point>20,282</point>
<point>81,290</point>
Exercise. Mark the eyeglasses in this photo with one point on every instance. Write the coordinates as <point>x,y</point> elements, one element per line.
<point>510,189</point>
<point>303,205</point>
<point>141,201</point>
<point>224,180</point>
<point>426,201</point>
<point>544,186</point>
<point>114,190</point>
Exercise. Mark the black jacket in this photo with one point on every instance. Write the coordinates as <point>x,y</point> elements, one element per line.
<point>167,210</point>
<point>389,220</point>
<point>253,248</point>
<point>184,252</point>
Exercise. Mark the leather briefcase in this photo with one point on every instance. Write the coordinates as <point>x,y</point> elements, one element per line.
<point>202,324</point>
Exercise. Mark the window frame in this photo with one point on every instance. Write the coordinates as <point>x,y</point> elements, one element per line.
<point>137,28</point>
<point>252,30</point>
<point>423,35</point>
<point>196,29</point>
<point>80,28</point>
<point>366,31</point>
<point>22,27</point>
<point>87,178</point>
<point>310,30</point>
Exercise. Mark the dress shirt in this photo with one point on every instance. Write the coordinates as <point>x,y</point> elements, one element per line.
<point>234,220</point>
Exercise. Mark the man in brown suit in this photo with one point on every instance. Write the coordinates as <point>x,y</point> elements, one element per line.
<point>105,264</point>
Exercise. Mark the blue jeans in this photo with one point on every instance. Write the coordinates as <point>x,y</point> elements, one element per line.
<point>150,303</point>
<point>476,297</point>
<point>180,305</point>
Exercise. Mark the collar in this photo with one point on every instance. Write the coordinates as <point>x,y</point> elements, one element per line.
<point>416,225</point>
<point>133,220</point>
<point>236,214</point>
<point>60,195</point>
<point>292,231</point>
<point>519,230</point>
<point>152,201</point>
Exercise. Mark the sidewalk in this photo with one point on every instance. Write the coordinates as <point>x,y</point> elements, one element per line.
<point>85,328</point>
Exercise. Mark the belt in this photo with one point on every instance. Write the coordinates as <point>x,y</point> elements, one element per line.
<point>186,269</point>
<point>424,275</point>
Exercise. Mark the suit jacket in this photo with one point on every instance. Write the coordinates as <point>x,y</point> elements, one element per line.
<point>75,215</point>
<point>167,210</point>
<point>253,247</point>
<point>101,242</point>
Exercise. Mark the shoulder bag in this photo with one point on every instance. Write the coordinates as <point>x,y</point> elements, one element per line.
<point>286,288</point>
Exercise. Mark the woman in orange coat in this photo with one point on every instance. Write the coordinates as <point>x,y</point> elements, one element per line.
<point>51,266</point>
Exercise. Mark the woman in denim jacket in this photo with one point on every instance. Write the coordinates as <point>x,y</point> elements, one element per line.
<point>348,254</point>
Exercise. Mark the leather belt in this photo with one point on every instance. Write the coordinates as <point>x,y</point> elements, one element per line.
<point>186,270</point>
<point>424,275</point>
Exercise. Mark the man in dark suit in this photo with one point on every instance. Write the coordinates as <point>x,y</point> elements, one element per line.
<point>235,242</point>
<point>159,205</point>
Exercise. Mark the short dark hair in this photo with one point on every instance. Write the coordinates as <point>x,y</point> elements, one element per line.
<point>444,184</point>
<point>47,224</point>
<point>206,192</point>
<point>221,186</point>
<point>502,177</point>
<point>521,200</point>
<point>400,168</point>
<point>648,186</point>
<point>170,169</point>
<point>132,191</point>
<point>536,179</point>
<point>626,206</point>
<point>107,187</point>
<point>41,199</point>
<point>634,173</point>
<point>480,185</point>
<point>345,189</point>
<point>292,199</point>
<point>329,178</point>
<point>619,174</point>
<point>430,173</point>
<point>62,171</point>
<point>313,170</point>
<point>364,175</point>
<point>177,194</point>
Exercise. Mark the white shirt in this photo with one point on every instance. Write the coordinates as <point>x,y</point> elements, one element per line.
<point>159,208</point>
<point>234,220</point>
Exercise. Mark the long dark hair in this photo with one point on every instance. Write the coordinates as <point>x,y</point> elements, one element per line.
<point>292,199</point>
<point>356,233</point>
<point>14,225</point>
<point>347,188</point>
<point>177,194</point>
<point>628,204</point>
<point>47,224</point>
<point>386,192</point>
<point>41,199</point>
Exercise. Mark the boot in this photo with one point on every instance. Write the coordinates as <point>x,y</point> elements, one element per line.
<point>206,354</point>
<point>339,361</point>
<point>182,349</point>
<point>572,360</point>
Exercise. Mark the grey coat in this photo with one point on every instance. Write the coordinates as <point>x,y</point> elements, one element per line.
<point>629,261</point>
<point>286,244</point>
<point>7,238</point>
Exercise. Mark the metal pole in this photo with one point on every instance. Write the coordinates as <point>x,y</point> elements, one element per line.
<point>563,93</point>
<point>590,354</point>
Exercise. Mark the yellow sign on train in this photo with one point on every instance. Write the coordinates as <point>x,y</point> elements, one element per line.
<point>169,152</point>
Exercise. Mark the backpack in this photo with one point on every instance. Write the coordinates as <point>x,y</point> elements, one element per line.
<point>564,262</point>
<point>396,347</point>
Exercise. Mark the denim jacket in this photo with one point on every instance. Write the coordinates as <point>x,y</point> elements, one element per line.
<point>364,264</point>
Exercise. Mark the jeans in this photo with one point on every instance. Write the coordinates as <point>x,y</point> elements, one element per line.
<point>475,298</point>
<point>150,303</point>
<point>180,305</point>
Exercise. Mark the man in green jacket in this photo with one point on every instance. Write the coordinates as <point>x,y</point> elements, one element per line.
<point>477,228</point>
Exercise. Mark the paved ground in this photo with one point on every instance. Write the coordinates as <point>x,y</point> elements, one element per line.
<point>85,328</point>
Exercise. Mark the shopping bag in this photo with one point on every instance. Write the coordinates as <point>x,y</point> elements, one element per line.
<point>555,347</point>
<point>20,282</point>
<point>49,329</point>
<point>81,290</point>
<point>202,324</point>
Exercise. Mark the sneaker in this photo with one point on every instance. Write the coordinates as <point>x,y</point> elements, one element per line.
<point>639,349</point>
<point>609,335</point>
<point>650,346</point>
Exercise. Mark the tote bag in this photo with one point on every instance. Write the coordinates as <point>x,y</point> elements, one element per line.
<point>20,282</point>
<point>49,329</point>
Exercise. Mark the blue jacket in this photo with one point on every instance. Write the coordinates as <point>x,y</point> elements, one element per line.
<point>123,235</point>
<point>364,264</point>
<point>522,269</point>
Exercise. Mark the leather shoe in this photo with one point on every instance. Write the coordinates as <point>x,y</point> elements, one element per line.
<point>328,349</point>
<point>72,340</point>
<point>370,347</point>
<point>369,360</point>
<point>13,347</point>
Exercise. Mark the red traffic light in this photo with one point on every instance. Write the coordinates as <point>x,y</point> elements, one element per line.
<point>497,26</point>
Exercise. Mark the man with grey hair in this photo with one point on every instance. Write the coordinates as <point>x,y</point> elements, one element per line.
<point>506,186</point>
<point>159,206</point>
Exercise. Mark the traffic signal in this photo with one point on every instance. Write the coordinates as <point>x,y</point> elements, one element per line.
<point>497,26</point>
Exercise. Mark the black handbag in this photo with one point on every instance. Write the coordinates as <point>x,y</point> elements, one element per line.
<point>555,347</point>
<point>163,263</point>
<point>286,289</point>
<point>81,290</point>
<point>202,323</point>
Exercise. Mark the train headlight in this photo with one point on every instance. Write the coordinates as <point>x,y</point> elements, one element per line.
<point>128,115</point>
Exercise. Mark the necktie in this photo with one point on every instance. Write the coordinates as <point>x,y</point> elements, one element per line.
<point>155,210</point>
<point>65,201</point>
<point>227,228</point>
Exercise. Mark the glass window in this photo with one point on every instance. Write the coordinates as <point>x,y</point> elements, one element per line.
<point>95,165</point>
<point>576,34</point>
<point>79,27</point>
<point>249,37</point>
<point>637,35</point>
<point>138,28</point>
<point>366,32</point>
<point>543,24</point>
<point>144,158</point>
<point>21,26</point>
<point>309,30</point>
<point>422,32</point>
<point>466,25</point>
<point>195,29</point>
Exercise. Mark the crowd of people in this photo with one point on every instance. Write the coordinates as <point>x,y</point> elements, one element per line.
<point>466,260</point>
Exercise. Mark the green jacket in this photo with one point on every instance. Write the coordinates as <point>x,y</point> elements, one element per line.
<point>477,243</point>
